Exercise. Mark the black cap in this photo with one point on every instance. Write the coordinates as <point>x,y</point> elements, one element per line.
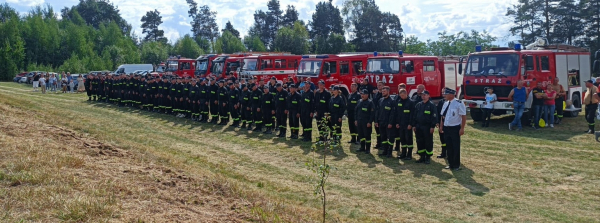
<point>230,84</point>
<point>252,85</point>
<point>278,85</point>
<point>266,87</point>
<point>321,82</point>
<point>292,86</point>
<point>335,88</point>
<point>273,78</point>
<point>364,91</point>
<point>243,86</point>
<point>590,81</point>
<point>427,92</point>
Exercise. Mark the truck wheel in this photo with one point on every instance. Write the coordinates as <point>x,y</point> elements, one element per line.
<point>476,114</point>
<point>576,104</point>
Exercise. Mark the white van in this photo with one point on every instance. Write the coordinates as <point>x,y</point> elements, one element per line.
<point>130,68</point>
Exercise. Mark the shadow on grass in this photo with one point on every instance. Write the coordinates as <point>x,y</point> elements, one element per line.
<point>569,128</point>
<point>465,178</point>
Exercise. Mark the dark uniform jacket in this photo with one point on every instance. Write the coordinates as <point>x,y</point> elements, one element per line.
<point>293,103</point>
<point>267,102</point>
<point>425,115</point>
<point>308,102</point>
<point>337,106</point>
<point>365,111</point>
<point>404,111</point>
<point>353,100</point>
<point>384,111</point>
<point>322,102</point>
<point>281,100</point>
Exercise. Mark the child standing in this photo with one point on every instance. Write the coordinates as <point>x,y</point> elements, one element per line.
<point>71,86</point>
<point>488,107</point>
<point>549,105</point>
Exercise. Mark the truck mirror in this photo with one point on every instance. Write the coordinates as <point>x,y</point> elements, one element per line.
<point>460,65</point>
<point>596,67</point>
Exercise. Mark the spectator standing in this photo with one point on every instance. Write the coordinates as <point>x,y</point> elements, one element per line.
<point>42,81</point>
<point>488,107</point>
<point>549,105</point>
<point>537,104</point>
<point>71,85</point>
<point>64,84</point>
<point>591,105</point>
<point>36,81</point>
<point>80,86</point>
<point>52,83</point>
<point>453,127</point>
<point>519,96</point>
<point>558,100</point>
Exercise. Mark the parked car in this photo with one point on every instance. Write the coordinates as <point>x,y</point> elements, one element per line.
<point>17,79</point>
<point>74,78</point>
<point>22,74</point>
<point>22,80</point>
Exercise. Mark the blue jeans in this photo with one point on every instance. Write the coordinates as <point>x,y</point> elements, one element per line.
<point>518,109</point>
<point>537,113</point>
<point>549,111</point>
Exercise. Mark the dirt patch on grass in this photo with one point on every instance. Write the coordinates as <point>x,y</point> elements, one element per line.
<point>51,173</point>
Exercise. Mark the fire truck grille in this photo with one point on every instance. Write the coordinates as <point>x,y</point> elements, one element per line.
<point>480,90</point>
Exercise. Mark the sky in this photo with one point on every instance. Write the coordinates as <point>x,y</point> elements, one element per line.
<point>423,19</point>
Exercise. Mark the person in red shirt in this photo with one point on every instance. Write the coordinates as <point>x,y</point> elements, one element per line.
<point>549,105</point>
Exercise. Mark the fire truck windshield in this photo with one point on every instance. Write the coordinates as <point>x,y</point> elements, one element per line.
<point>249,64</point>
<point>217,67</point>
<point>202,65</point>
<point>161,68</point>
<point>309,67</point>
<point>492,64</point>
<point>383,66</point>
<point>171,65</point>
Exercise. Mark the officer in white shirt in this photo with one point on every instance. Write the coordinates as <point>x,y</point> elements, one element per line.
<point>454,118</point>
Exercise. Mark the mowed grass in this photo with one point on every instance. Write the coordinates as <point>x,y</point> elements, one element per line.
<point>548,175</point>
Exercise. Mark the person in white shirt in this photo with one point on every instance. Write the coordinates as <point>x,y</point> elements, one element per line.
<point>42,81</point>
<point>488,107</point>
<point>454,119</point>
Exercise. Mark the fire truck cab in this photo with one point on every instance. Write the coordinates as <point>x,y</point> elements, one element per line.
<point>502,68</point>
<point>182,67</point>
<point>338,70</point>
<point>412,70</point>
<point>279,66</point>
<point>204,65</point>
<point>223,65</point>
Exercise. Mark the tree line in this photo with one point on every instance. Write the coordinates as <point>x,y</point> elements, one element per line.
<point>92,35</point>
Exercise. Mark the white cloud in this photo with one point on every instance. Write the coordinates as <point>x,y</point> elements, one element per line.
<point>423,18</point>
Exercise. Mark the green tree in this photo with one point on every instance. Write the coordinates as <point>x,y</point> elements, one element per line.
<point>326,20</point>
<point>228,43</point>
<point>293,40</point>
<point>415,46</point>
<point>589,10</point>
<point>154,52</point>
<point>254,44</point>
<point>150,23</point>
<point>187,47</point>
<point>233,31</point>
<point>332,44</point>
<point>290,16</point>
<point>12,46</point>
<point>204,25</point>
<point>96,12</point>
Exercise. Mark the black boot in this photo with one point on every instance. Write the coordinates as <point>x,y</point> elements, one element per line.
<point>421,159</point>
<point>397,149</point>
<point>362,147</point>
<point>427,159</point>
<point>353,140</point>
<point>383,150</point>
<point>268,132</point>
<point>89,98</point>
<point>403,153</point>
<point>367,148</point>
<point>388,151</point>
<point>282,133</point>
<point>243,125</point>
<point>408,154</point>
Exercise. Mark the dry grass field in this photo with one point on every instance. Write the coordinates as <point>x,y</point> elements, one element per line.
<point>65,159</point>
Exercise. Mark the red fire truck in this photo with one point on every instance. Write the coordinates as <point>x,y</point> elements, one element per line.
<point>501,68</point>
<point>203,65</point>
<point>223,65</point>
<point>266,66</point>
<point>433,72</point>
<point>338,70</point>
<point>180,66</point>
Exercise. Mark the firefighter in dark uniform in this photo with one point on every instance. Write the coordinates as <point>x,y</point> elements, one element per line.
<point>383,120</point>
<point>337,107</point>
<point>364,115</point>
<point>108,88</point>
<point>417,97</point>
<point>223,100</point>
<point>268,109</point>
<point>293,107</point>
<point>178,106</point>
<point>403,120</point>
<point>307,109</point>
<point>204,100</point>
<point>87,84</point>
<point>424,122</point>
<point>127,91</point>
<point>214,101</point>
<point>440,105</point>
<point>376,96</point>
<point>322,97</point>
<point>234,105</point>
<point>166,98</point>
<point>172,91</point>
<point>95,84</point>
<point>281,111</point>
<point>186,107</point>
<point>143,97</point>
<point>100,89</point>
<point>256,101</point>
<point>193,100</point>
<point>353,100</point>
<point>150,93</point>
<point>246,108</point>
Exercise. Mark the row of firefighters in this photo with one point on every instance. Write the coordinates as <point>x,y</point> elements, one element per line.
<point>255,106</point>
